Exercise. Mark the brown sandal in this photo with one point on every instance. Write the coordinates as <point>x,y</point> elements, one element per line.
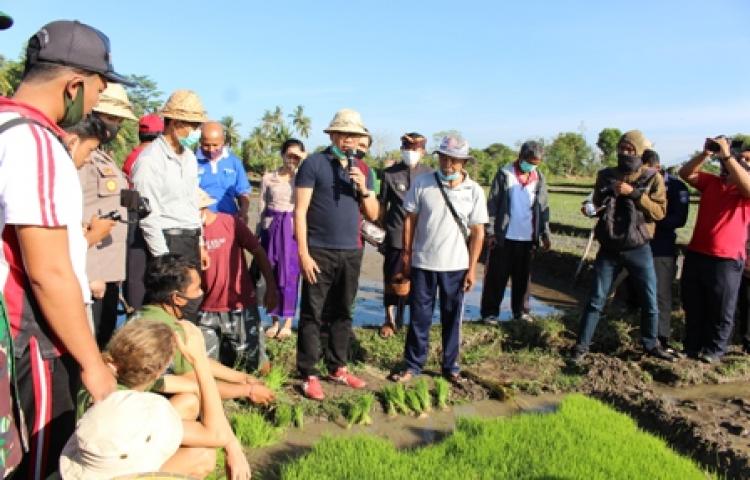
<point>401,377</point>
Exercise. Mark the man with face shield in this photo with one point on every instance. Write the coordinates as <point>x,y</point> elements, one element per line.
<point>167,174</point>
<point>42,259</point>
<point>632,198</point>
<point>715,256</point>
<point>101,182</point>
<point>221,173</point>
<point>397,180</point>
<point>332,192</point>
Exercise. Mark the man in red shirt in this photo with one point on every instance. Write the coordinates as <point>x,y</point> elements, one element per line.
<point>229,316</point>
<point>715,256</point>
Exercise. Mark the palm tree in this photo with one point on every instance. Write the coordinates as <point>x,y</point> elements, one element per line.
<point>231,129</point>
<point>300,122</point>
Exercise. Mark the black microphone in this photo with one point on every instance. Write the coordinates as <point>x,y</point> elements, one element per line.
<point>350,164</point>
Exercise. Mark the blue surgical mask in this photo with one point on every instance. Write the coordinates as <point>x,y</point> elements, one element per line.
<point>192,139</point>
<point>448,178</point>
<point>526,167</point>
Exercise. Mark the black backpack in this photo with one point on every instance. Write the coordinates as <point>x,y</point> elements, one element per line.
<point>622,225</point>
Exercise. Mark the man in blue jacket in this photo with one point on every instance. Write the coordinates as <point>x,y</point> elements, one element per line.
<point>664,248</point>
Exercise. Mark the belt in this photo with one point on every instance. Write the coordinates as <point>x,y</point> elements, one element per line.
<point>182,232</point>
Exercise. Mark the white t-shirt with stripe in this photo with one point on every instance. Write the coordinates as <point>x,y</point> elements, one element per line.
<point>39,186</point>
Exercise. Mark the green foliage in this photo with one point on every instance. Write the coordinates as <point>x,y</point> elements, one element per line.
<point>260,151</point>
<point>11,72</point>
<point>283,415</point>
<point>231,132</point>
<point>298,416</point>
<point>442,390</point>
<point>568,154</point>
<point>253,430</point>
<point>584,439</point>
<point>423,393</point>
<point>276,378</point>
<point>414,402</point>
<point>389,400</point>
<point>359,410</point>
<point>607,143</point>
<point>145,95</point>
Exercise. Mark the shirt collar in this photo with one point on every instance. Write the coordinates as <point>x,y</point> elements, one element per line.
<point>26,110</point>
<point>202,157</point>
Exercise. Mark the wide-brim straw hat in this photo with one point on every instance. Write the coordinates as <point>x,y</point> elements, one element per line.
<point>184,105</point>
<point>114,101</point>
<point>347,120</point>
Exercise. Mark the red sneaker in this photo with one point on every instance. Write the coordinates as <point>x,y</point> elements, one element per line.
<point>312,388</point>
<point>343,377</point>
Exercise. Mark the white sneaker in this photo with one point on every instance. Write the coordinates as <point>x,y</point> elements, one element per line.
<point>525,317</point>
<point>491,320</point>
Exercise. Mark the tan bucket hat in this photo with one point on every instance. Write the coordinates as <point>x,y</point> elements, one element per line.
<point>128,432</point>
<point>184,105</point>
<point>347,120</point>
<point>114,101</point>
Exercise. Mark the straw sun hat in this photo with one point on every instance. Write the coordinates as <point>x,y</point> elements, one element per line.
<point>184,105</point>
<point>347,120</point>
<point>114,101</point>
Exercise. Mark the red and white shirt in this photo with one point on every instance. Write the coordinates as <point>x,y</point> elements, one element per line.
<point>38,186</point>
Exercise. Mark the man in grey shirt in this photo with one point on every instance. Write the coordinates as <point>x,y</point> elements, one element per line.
<point>166,173</point>
<point>440,253</point>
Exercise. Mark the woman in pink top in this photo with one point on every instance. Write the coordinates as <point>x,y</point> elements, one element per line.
<point>277,235</point>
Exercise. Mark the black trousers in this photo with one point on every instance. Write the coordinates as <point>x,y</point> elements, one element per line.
<point>187,245</point>
<point>666,269</point>
<point>334,291</point>
<point>512,260</point>
<point>104,314</point>
<point>743,305</point>
<point>391,266</point>
<point>135,268</point>
<point>709,289</point>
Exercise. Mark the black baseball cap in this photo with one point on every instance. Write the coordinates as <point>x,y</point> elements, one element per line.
<point>6,21</point>
<point>73,44</point>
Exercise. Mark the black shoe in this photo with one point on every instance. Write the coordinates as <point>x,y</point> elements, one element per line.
<point>577,356</point>
<point>709,358</point>
<point>672,351</point>
<point>660,353</point>
<point>692,354</point>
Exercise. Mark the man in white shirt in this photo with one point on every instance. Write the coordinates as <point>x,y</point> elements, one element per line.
<point>443,235</point>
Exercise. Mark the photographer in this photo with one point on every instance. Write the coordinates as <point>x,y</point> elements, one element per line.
<point>715,257</point>
<point>630,198</point>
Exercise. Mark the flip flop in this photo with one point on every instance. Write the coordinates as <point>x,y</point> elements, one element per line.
<point>284,333</point>
<point>401,377</point>
<point>272,331</point>
<point>387,330</point>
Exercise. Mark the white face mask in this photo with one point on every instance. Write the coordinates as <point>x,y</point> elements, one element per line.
<point>410,157</point>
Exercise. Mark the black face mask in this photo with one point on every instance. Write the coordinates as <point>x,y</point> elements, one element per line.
<point>359,154</point>
<point>628,163</point>
<point>190,310</point>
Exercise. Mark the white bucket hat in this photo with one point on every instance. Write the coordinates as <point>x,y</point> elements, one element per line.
<point>127,433</point>
<point>455,146</point>
<point>114,101</point>
<point>347,120</point>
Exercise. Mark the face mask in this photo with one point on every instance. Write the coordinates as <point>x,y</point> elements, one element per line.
<point>190,310</point>
<point>336,151</point>
<point>410,157</point>
<point>192,139</point>
<point>73,109</point>
<point>448,178</point>
<point>214,155</point>
<point>526,167</point>
<point>628,163</point>
<point>112,130</point>
<point>359,154</point>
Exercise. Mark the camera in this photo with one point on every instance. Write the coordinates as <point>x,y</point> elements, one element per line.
<point>134,202</point>
<point>735,145</point>
<point>114,215</point>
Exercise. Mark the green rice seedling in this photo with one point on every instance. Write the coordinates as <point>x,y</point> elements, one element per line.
<point>298,416</point>
<point>423,392</point>
<point>283,415</point>
<point>276,378</point>
<point>442,390</point>
<point>253,430</point>
<point>389,397</point>
<point>399,398</point>
<point>353,413</point>
<point>365,402</point>
<point>414,402</point>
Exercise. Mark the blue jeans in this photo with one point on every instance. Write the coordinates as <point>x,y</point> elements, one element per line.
<point>640,266</point>
<point>425,284</point>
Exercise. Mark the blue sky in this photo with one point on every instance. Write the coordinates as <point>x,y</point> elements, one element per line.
<point>497,71</point>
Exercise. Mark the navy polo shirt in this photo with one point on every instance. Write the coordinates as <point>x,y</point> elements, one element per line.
<point>333,216</point>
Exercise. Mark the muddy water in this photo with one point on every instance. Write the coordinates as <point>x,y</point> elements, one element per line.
<point>403,431</point>
<point>718,392</point>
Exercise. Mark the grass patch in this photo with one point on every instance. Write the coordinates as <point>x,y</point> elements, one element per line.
<point>584,439</point>
<point>253,430</point>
